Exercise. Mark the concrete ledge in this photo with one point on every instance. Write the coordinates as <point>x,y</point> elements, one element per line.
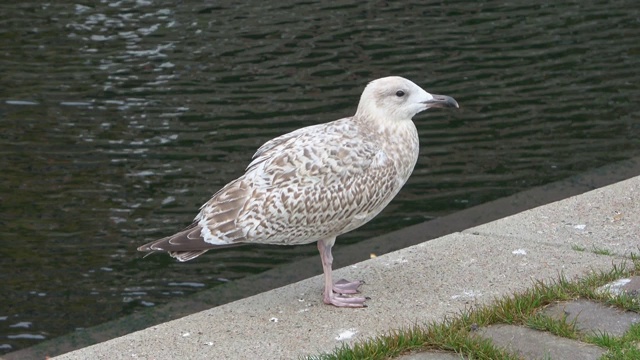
<point>421,283</point>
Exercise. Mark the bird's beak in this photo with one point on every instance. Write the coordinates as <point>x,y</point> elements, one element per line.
<point>442,101</point>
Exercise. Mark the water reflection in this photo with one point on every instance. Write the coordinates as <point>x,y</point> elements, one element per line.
<point>120,118</point>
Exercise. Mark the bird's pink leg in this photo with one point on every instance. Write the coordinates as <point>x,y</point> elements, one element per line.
<point>342,286</point>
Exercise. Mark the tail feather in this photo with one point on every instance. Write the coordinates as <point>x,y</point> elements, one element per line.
<point>183,256</point>
<point>185,245</point>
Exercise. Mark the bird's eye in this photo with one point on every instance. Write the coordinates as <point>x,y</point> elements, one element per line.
<point>399,93</point>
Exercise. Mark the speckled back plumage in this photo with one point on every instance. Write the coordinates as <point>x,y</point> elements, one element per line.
<point>296,192</point>
<point>313,183</point>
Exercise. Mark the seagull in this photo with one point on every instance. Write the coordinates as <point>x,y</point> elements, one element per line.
<point>316,183</point>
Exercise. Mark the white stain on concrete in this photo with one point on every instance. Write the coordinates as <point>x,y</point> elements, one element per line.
<point>519,252</point>
<point>397,261</point>
<point>466,294</point>
<point>614,288</point>
<point>346,334</point>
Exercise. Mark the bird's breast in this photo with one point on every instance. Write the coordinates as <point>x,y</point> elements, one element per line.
<point>402,146</point>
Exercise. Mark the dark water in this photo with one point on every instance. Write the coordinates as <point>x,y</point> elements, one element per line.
<point>118,119</point>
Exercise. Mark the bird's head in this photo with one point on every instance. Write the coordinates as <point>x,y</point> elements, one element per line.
<point>396,99</point>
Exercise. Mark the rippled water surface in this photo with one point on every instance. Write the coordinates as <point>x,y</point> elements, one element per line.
<point>118,119</point>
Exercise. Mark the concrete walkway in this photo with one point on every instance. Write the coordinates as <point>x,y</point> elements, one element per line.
<point>418,284</point>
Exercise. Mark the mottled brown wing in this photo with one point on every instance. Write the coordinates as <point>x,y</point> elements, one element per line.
<point>316,183</point>
<point>312,183</point>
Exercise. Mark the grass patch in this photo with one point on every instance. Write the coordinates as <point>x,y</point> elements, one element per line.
<point>557,327</point>
<point>456,334</point>
<point>594,249</point>
<point>601,251</point>
<point>577,247</point>
<point>626,347</point>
